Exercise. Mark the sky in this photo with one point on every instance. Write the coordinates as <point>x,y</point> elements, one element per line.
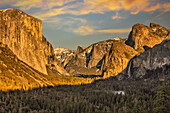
<point>70,23</point>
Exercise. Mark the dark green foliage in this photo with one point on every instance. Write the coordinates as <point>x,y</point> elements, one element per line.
<point>162,101</point>
<point>94,98</point>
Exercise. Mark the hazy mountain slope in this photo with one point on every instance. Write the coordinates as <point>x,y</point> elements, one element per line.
<point>63,54</point>
<point>154,61</point>
<point>23,35</point>
<point>142,35</point>
<point>90,60</point>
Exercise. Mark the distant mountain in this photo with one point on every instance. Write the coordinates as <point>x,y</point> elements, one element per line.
<point>79,49</point>
<point>23,35</point>
<point>90,60</point>
<point>63,54</point>
<point>154,62</point>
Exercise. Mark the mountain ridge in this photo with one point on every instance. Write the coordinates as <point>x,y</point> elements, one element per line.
<point>89,61</point>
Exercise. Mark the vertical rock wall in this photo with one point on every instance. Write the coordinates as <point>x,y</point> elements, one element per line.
<point>142,35</point>
<point>23,35</point>
<point>117,58</point>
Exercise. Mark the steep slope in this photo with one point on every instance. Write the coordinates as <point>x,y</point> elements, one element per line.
<point>15,74</point>
<point>79,49</point>
<point>117,58</point>
<point>23,35</point>
<point>65,55</point>
<point>90,60</point>
<point>154,61</point>
<point>142,35</point>
<point>141,38</point>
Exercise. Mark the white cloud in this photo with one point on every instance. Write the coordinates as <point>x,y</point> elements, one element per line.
<point>84,30</point>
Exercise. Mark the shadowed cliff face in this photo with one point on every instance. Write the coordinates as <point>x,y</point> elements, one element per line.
<point>142,35</point>
<point>23,35</point>
<point>156,58</point>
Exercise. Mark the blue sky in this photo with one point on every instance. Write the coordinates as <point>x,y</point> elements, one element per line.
<point>69,23</point>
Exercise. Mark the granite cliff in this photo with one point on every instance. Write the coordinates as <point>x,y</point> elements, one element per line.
<point>140,39</point>
<point>79,49</point>
<point>144,36</point>
<point>15,74</point>
<point>23,35</point>
<point>117,58</point>
<point>63,54</point>
<point>90,60</point>
<point>154,61</point>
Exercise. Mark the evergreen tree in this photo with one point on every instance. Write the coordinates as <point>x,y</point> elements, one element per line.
<point>162,101</point>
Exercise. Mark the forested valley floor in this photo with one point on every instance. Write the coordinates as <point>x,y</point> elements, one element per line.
<point>141,96</point>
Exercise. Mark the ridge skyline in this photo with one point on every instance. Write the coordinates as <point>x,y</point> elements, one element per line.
<point>67,28</point>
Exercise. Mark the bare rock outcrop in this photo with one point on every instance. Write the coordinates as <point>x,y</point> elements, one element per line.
<point>15,74</point>
<point>79,49</point>
<point>90,60</point>
<point>117,58</point>
<point>142,35</point>
<point>23,35</point>
<point>63,55</point>
<point>156,58</point>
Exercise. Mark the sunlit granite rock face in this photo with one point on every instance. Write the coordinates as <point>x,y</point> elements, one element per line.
<point>117,58</point>
<point>79,49</point>
<point>142,35</point>
<point>23,35</point>
<point>15,74</point>
<point>156,59</point>
<point>90,60</point>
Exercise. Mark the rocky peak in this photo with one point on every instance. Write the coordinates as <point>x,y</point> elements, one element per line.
<point>90,60</point>
<point>63,54</point>
<point>23,35</point>
<point>142,35</point>
<point>159,30</point>
<point>79,49</point>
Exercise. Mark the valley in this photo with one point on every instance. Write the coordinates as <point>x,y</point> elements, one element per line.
<point>118,75</point>
<point>29,61</point>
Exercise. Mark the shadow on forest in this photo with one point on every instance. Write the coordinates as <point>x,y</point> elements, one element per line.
<point>89,76</point>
